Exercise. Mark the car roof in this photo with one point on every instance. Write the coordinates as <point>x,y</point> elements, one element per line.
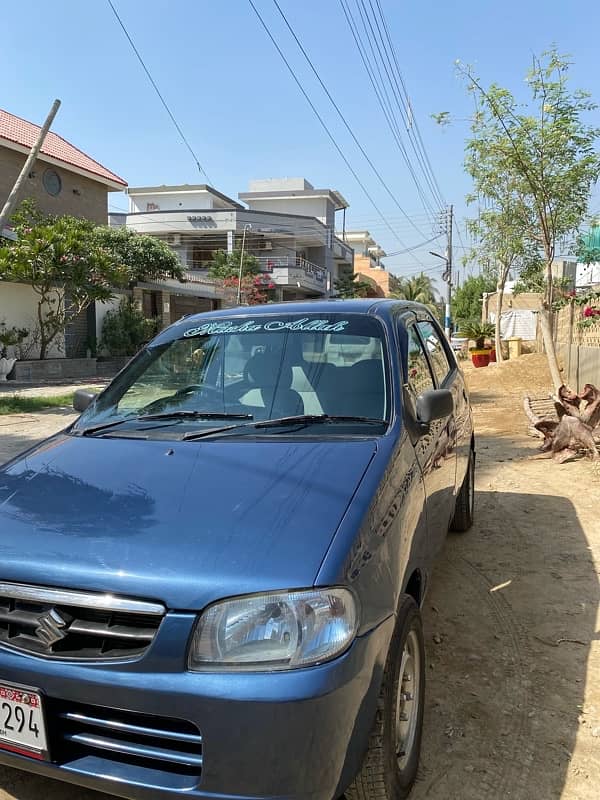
<point>367,305</point>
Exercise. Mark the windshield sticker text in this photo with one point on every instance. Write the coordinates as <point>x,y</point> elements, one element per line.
<point>250,326</point>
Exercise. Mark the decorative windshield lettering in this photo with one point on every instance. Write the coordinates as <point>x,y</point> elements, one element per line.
<point>250,326</point>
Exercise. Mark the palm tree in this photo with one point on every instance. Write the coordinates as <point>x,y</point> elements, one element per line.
<point>419,289</point>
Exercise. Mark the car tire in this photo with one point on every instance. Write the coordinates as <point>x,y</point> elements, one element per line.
<point>465,500</point>
<point>390,765</point>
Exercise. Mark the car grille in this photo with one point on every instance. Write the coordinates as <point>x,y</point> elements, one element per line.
<point>149,743</point>
<point>59,623</point>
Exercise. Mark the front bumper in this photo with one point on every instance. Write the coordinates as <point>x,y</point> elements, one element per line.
<point>298,734</point>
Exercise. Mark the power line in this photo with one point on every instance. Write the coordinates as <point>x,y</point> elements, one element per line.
<point>416,247</point>
<point>158,92</point>
<point>345,121</point>
<point>410,111</point>
<point>391,79</point>
<point>382,96</point>
<point>324,125</point>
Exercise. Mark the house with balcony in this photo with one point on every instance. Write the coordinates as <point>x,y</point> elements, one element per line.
<point>367,260</point>
<point>286,223</point>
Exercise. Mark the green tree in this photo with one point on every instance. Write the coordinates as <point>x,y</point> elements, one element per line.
<point>125,329</point>
<point>65,265</point>
<point>351,285</point>
<point>139,257</point>
<point>71,263</point>
<point>227,265</point>
<point>466,299</point>
<point>544,149</point>
<point>498,230</point>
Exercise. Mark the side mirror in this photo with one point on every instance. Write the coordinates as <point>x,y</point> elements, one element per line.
<point>82,399</point>
<point>434,404</point>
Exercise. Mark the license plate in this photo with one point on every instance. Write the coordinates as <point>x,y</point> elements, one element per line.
<point>22,728</point>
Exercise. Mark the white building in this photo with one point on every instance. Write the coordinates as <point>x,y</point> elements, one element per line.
<point>288,225</point>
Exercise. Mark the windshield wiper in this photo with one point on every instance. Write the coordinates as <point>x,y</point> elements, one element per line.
<point>273,423</point>
<point>195,415</point>
<point>302,419</point>
<point>166,415</point>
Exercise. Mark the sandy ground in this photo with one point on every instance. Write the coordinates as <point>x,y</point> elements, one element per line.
<point>512,623</point>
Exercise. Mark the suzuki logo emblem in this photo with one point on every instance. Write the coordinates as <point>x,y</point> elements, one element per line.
<point>52,627</point>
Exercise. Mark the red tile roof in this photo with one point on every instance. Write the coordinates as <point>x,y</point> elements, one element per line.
<point>17,130</point>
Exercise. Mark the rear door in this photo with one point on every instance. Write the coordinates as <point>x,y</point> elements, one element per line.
<point>435,448</point>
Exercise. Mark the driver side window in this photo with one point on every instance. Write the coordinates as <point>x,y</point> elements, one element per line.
<point>419,377</point>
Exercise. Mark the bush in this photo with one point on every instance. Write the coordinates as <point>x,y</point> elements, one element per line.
<point>125,329</point>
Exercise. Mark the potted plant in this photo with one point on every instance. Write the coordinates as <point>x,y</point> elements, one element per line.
<point>479,332</point>
<point>9,337</point>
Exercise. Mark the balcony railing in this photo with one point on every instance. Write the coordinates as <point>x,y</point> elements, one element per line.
<point>269,263</point>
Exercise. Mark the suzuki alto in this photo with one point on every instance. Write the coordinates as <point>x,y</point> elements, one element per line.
<point>211,582</point>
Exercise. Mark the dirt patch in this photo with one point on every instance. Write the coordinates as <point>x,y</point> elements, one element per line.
<point>513,699</point>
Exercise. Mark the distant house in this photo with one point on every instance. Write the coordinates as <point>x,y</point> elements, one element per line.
<point>367,260</point>
<point>286,223</point>
<point>64,180</point>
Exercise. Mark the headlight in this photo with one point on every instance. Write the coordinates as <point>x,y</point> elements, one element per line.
<point>274,631</point>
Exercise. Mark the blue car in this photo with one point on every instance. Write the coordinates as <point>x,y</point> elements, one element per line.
<point>210,583</point>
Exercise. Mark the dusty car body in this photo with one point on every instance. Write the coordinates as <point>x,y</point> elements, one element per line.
<point>211,582</point>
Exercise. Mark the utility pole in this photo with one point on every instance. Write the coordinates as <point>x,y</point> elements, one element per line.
<point>247,226</point>
<point>448,274</point>
<point>11,202</point>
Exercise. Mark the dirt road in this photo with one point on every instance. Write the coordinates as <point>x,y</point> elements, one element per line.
<point>512,625</point>
<point>513,697</point>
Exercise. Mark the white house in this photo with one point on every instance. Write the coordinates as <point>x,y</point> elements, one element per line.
<point>286,223</point>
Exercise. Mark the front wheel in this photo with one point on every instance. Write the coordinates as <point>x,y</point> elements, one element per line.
<point>390,765</point>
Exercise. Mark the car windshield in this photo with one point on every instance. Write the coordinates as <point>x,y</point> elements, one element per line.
<point>236,372</point>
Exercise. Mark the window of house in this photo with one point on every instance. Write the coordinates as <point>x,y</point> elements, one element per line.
<point>52,182</point>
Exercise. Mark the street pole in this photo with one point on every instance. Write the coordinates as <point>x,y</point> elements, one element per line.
<point>448,276</point>
<point>11,202</point>
<point>239,290</point>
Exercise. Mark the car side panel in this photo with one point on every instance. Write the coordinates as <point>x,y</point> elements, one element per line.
<point>383,537</point>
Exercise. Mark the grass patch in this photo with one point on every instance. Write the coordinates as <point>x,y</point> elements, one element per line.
<point>23,405</point>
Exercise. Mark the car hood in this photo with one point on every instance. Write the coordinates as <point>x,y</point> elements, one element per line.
<point>185,523</point>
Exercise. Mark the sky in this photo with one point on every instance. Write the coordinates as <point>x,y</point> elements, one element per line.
<point>244,116</point>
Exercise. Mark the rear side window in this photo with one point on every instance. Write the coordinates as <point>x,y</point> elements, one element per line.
<point>435,348</point>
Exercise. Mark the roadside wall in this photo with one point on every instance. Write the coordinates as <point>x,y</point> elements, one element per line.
<point>579,348</point>
<point>18,306</point>
<point>527,301</point>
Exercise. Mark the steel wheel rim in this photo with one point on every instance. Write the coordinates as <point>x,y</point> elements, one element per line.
<point>407,701</point>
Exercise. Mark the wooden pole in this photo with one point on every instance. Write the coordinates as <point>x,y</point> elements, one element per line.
<point>11,202</point>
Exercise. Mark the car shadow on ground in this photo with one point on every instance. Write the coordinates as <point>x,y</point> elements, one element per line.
<point>493,449</point>
<point>509,621</point>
